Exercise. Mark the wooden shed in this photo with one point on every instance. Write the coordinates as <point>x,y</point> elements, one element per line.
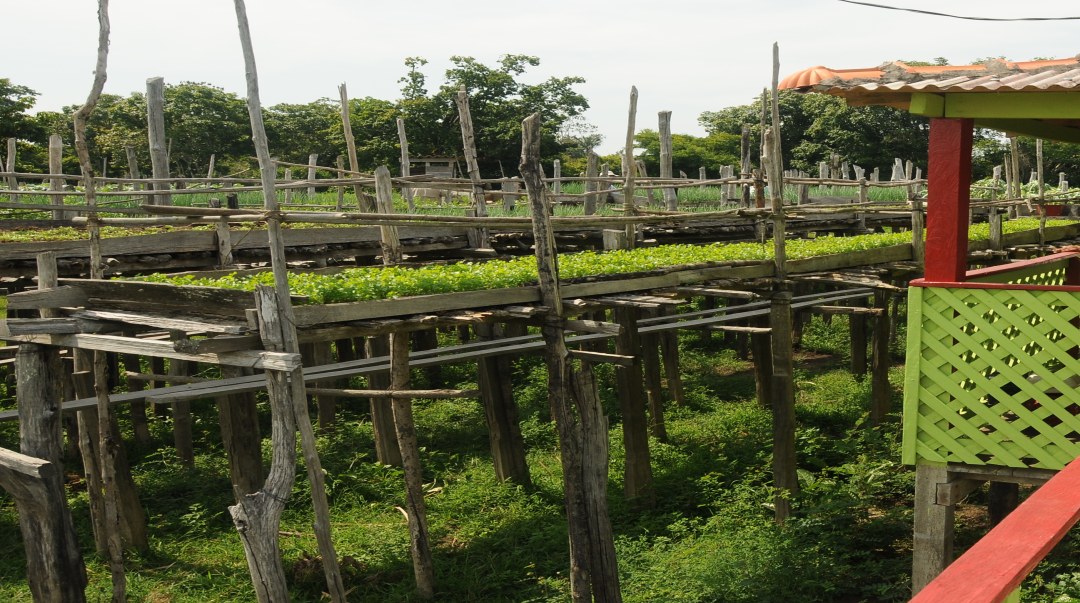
<point>440,167</point>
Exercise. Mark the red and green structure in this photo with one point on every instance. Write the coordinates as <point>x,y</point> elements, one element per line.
<point>993,358</point>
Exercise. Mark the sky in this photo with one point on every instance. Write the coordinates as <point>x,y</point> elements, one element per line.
<point>685,56</point>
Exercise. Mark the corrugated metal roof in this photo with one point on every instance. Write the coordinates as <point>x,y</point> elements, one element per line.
<point>994,76</point>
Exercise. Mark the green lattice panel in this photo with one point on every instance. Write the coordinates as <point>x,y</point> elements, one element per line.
<point>968,398</point>
<point>1050,273</point>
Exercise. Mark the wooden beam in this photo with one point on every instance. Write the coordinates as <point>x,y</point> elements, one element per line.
<point>405,394</point>
<point>601,357</point>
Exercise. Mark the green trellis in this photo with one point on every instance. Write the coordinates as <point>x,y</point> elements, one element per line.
<point>968,397</point>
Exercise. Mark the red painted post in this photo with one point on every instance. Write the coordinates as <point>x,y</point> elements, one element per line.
<point>948,182</point>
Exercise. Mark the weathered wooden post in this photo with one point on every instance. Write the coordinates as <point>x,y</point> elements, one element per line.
<point>12,181</point>
<point>406,165</point>
<point>881,392</point>
<point>340,188</point>
<point>654,391</point>
<point>420,547</point>
<point>312,173</point>
<point>382,414</point>
<point>56,166</point>
<point>556,175</point>
<point>591,186</point>
<point>638,478</point>
<point>391,245</point>
<point>504,430</point>
<point>629,209</point>
<point>701,176</point>
<point>181,409</point>
<point>671,198</point>
<point>159,154</point>
<point>468,141</point>
<point>362,202</point>
<point>54,564</point>
<point>745,168</point>
<point>582,445</point>
<point>288,181</point>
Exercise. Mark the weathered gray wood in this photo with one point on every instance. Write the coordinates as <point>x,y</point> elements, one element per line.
<point>638,478</point>
<point>12,182</point>
<point>420,545</point>
<point>313,161</point>
<point>933,540</point>
<point>159,155</point>
<point>340,188</point>
<point>601,357</point>
<point>89,445</point>
<point>857,336</point>
<point>133,166</point>
<point>480,237</point>
<point>391,245</point>
<point>222,238</point>
<point>589,202</point>
<point>761,349</point>
<point>257,515</point>
<point>350,142</point>
<point>881,391</point>
<point>406,192</point>
<point>671,197</point>
<point>216,345</point>
<point>139,423</point>
<point>500,410</point>
<point>654,391</point>
<point>181,410</point>
<point>382,414</point>
<point>785,473</point>
<point>55,567</point>
<point>288,179</point>
<point>509,200</point>
<point>387,393</point>
<point>145,347</point>
<point>56,166</point>
<point>200,325</point>
<point>628,169</point>
<point>556,175</point>
<point>559,371</point>
<point>669,352</point>
<point>108,452</point>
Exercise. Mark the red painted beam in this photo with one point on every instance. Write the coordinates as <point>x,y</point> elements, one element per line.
<point>997,564</point>
<point>948,182</point>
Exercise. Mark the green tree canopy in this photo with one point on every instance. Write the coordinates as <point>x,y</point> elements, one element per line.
<point>688,153</point>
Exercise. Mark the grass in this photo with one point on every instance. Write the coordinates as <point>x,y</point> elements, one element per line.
<point>710,539</point>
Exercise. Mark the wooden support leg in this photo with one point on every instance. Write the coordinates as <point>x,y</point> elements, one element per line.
<point>708,303</point>
<point>239,421</point>
<point>785,471</point>
<point>761,347</point>
<point>654,391</point>
<point>504,430</point>
<point>157,367</point>
<point>669,351</point>
<point>55,567</point>
<point>857,330</point>
<point>638,479</point>
<point>742,342</point>
<point>88,448</point>
<point>1004,498</point>
<point>881,391</point>
<point>71,420</point>
<point>933,541</point>
<point>181,410</point>
<point>382,412</point>
<point>423,566</point>
<point>138,408</point>
<point>319,354</point>
<point>428,339</point>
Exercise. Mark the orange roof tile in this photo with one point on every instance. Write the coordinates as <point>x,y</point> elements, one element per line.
<point>901,77</point>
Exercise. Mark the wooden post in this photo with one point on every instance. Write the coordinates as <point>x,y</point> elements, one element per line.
<point>669,351</point>
<point>223,238</point>
<point>590,186</point>
<point>745,168</point>
<point>509,201</point>
<point>761,348</point>
<point>857,335</point>
<point>406,166</point>
<point>362,202</point>
<point>468,141</point>
<point>933,541</point>
<point>391,245</point>
<point>504,431</point>
<point>423,566</point>
<point>56,166</point>
<point>638,478</point>
<point>654,391</point>
<point>210,167</point>
<point>238,419</point>
<point>1004,498</point>
<point>382,413</point>
<point>88,449</point>
<point>320,353</point>
<point>159,155</point>
<point>312,173</point>
<point>949,183</point>
<point>55,567</point>
<point>671,199</point>
<point>133,166</point>
<point>181,410</point>
<point>628,171</point>
<point>288,180</point>
<point>340,188</point>
<point>582,446</point>
<point>1042,192</point>
<point>881,391</point>
<point>12,182</point>
<point>289,340</point>
<point>258,515</point>
<point>785,469</point>
<point>556,175</point>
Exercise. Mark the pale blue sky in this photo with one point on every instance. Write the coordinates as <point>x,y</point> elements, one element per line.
<point>684,56</point>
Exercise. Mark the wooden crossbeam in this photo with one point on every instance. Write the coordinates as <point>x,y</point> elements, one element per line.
<point>383,393</point>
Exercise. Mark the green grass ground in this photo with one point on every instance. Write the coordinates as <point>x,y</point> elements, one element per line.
<point>710,539</point>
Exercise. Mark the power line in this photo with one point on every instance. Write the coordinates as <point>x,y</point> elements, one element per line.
<point>927,12</point>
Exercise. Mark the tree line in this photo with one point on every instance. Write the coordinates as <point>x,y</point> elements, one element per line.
<point>202,119</point>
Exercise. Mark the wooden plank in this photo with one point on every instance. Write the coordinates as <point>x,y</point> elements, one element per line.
<point>381,393</point>
<point>199,325</point>
<point>60,297</point>
<point>954,490</point>
<point>216,345</point>
<point>279,361</point>
<point>214,300</point>
<point>601,357</point>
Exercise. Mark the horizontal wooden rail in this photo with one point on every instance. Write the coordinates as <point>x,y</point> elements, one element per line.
<point>993,569</point>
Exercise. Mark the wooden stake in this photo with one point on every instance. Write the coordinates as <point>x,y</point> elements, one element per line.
<point>340,189</point>
<point>504,429</point>
<point>391,245</point>
<point>638,478</point>
<point>312,172</point>
<point>468,141</point>
<point>382,413</point>
<point>857,336</point>
<point>589,202</point>
<point>223,239</point>
<point>650,360</point>
<point>746,169</point>
<point>761,349</point>
<point>881,392</point>
<point>181,410</point>
<point>671,199</point>
<point>405,164</point>
<point>12,182</point>
<point>350,142</point>
<point>628,170</point>
<point>56,166</point>
<point>423,565</point>
<point>159,155</point>
<point>785,469</point>
<point>669,351</point>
